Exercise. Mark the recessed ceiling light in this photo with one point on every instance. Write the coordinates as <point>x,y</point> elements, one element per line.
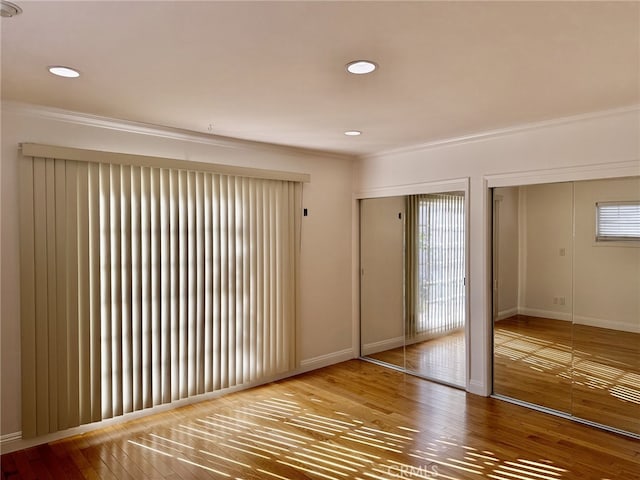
<point>353,133</point>
<point>64,71</point>
<point>9,9</point>
<point>360,67</point>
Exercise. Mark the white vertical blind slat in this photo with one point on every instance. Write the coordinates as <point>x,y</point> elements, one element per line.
<point>200,290</point>
<point>183,357</point>
<point>126,287</point>
<point>145,265</point>
<point>116,290</point>
<point>217,282</point>
<point>165,299</point>
<point>95,381</point>
<point>208,285</point>
<point>84,306</point>
<point>70,294</point>
<point>60,336</point>
<point>156,280</point>
<point>27,299</point>
<point>136,288</point>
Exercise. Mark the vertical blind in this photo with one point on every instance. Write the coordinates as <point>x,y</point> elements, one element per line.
<point>434,264</point>
<point>141,286</point>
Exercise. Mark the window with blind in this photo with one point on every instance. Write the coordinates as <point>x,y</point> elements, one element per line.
<point>435,264</point>
<point>618,221</point>
<point>142,285</point>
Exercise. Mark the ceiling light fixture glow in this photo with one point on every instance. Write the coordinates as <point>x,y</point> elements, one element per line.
<point>361,67</point>
<point>353,133</point>
<point>66,72</point>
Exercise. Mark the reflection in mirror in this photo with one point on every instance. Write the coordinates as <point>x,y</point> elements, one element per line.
<point>381,279</point>
<point>435,286</point>
<point>412,259</point>
<point>532,292</point>
<point>566,301</point>
<point>606,330</point>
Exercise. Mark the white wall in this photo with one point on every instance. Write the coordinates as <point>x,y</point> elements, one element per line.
<point>583,147</point>
<point>507,250</point>
<point>598,281</point>
<point>382,279</point>
<point>547,215</point>
<point>606,274</point>
<point>326,277</point>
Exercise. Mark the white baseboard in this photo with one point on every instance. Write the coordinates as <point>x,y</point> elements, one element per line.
<point>506,313</point>
<point>9,441</point>
<point>381,346</point>
<point>14,441</point>
<point>535,312</point>
<point>610,324</point>
<point>326,360</point>
<point>478,388</point>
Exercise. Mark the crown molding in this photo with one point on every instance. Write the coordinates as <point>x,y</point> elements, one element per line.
<point>502,132</point>
<point>439,186</point>
<point>140,128</point>
<point>630,168</point>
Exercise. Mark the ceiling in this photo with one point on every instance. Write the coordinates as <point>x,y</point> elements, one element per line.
<point>275,71</point>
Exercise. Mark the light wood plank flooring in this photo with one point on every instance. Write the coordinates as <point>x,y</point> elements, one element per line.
<point>441,358</point>
<point>355,420</point>
<point>589,372</point>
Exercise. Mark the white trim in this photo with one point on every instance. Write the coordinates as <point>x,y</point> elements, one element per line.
<point>139,128</point>
<point>355,276</point>
<point>13,441</point>
<point>503,132</point>
<point>326,360</point>
<point>608,324</point>
<point>8,441</point>
<point>506,313</point>
<point>98,156</point>
<point>478,388</point>
<point>452,185</point>
<point>449,185</point>
<point>598,171</point>
<point>537,312</point>
<point>382,345</point>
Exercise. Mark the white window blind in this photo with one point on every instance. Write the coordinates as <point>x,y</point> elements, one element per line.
<point>617,221</point>
<point>142,285</point>
<point>435,264</point>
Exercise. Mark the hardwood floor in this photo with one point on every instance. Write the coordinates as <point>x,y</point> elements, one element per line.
<point>355,420</point>
<point>592,373</point>
<point>532,361</point>
<point>442,358</point>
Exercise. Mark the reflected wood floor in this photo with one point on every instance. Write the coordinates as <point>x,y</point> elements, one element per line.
<point>441,358</point>
<point>589,372</point>
<point>355,420</point>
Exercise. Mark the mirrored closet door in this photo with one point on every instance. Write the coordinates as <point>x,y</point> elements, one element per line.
<point>412,285</point>
<point>566,298</point>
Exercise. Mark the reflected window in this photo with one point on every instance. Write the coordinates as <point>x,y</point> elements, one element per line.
<point>617,221</point>
<point>435,264</point>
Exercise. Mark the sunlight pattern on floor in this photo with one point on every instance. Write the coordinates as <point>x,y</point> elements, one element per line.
<point>583,368</point>
<point>277,438</point>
